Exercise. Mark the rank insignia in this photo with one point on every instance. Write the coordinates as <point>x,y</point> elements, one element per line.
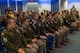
<point>5,39</point>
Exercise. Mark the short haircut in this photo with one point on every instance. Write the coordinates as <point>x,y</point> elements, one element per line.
<point>34,14</point>
<point>23,20</point>
<point>8,21</point>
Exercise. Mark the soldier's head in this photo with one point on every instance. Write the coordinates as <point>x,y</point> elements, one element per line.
<point>25,22</point>
<point>20,16</point>
<point>3,17</point>
<point>10,12</point>
<point>49,16</point>
<point>55,15</point>
<point>73,12</point>
<point>26,15</point>
<point>35,16</point>
<point>73,6</point>
<point>11,23</point>
<point>40,19</point>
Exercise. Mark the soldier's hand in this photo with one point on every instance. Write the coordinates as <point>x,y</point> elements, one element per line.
<point>47,34</point>
<point>29,46</point>
<point>59,30</point>
<point>34,40</point>
<point>43,37</point>
<point>20,50</point>
<point>61,27</point>
<point>50,34</point>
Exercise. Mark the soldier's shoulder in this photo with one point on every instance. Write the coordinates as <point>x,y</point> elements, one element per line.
<point>3,32</point>
<point>18,29</point>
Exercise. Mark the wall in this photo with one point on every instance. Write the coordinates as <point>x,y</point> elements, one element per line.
<point>54,5</point>
<point>24,5</point>
<point>43,4</point>
<point>32,6</point>
<point>63,5</point>
<point>3,6</point>
<point>74,2</point>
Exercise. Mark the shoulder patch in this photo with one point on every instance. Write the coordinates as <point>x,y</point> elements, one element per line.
<point>5,39</point>
<point>2,34</point>
<point>18,31</point>
<point>29,28</point>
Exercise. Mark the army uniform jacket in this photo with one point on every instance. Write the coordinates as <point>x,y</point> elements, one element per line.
<point>49,26</point>
<point>57,23</point>
<point>28,33</point>
<point>13,40</point>
<point>35,27</point>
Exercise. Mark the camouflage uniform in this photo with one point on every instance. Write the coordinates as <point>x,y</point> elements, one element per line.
<point>29,35</point>
<point>50,27</point>
<point>14,40</point>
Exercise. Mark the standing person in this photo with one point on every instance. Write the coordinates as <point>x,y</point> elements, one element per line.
<point>14,40</point>
<point>73,8</point>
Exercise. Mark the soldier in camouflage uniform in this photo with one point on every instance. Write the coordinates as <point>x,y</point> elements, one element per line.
<point>60,27</point>
<point>47,34</point>
<point>14,40</point>
<point>73,8</point>
<point>50,27</point>
<point>64,28</point>
<point>73,20</point>
<point>31,37</point>
<point>41,33</point>
<point>19,18</point>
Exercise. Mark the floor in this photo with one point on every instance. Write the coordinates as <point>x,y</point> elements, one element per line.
<point>73,46</point>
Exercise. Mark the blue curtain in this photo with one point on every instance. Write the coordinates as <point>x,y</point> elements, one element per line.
<point>3,6</point>
<point>12,4</point>
<point>54,5</point>
<point>19,5</point>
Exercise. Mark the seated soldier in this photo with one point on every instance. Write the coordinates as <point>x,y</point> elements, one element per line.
<point>50,27</point>
<point>59,28</point>
<point>14,41</point>
<point>41,33</point>
<point>73,21</point>
<point>62,26</point>
<point>30,36</point>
